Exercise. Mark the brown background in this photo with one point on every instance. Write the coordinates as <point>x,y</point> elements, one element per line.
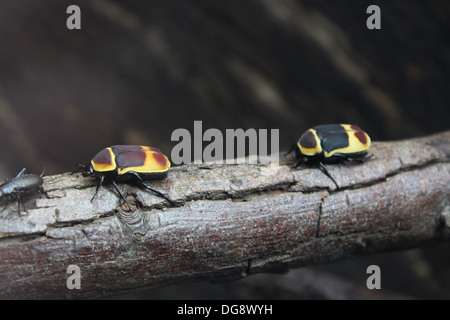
<point>138,70</point>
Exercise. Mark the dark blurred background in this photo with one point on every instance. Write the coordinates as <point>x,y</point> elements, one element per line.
<point>137,70</point>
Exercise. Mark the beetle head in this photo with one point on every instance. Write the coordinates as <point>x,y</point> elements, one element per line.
<point>87,170</point>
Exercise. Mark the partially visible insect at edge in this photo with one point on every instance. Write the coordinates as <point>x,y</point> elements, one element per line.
<point>332,143</point>
<point>132,163</point>
<point>20,186</point>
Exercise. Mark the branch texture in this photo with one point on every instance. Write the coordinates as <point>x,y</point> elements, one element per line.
<point>229,221</point>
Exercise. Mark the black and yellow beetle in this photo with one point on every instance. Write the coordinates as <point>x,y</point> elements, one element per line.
<point>332,143</point>
<point>128,163</point>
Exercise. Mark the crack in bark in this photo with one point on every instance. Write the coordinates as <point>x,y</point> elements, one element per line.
<point>320,215</point>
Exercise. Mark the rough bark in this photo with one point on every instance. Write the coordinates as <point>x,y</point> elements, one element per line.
<point>229,221</point>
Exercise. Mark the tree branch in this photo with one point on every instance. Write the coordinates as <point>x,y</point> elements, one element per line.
<point>230,221</point>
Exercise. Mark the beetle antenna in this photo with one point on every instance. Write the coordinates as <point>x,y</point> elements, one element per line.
<point>80,167</point>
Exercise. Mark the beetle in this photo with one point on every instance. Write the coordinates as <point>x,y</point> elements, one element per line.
<point>20,186</point>
<point>332,143</point>
<point>133,163</point>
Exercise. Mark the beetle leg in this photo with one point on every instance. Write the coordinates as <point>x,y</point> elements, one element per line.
<point>366,158</point>
<point>141,182</point>
<point>325,171</point>
<point>80,168</point>
<point>348,158</point>
<point>121,195</point>
<point>102,178</point>
<point>18,206</point>
<point>157,192</point>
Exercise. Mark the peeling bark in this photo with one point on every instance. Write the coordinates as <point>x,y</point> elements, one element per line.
<point>229,222</point>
